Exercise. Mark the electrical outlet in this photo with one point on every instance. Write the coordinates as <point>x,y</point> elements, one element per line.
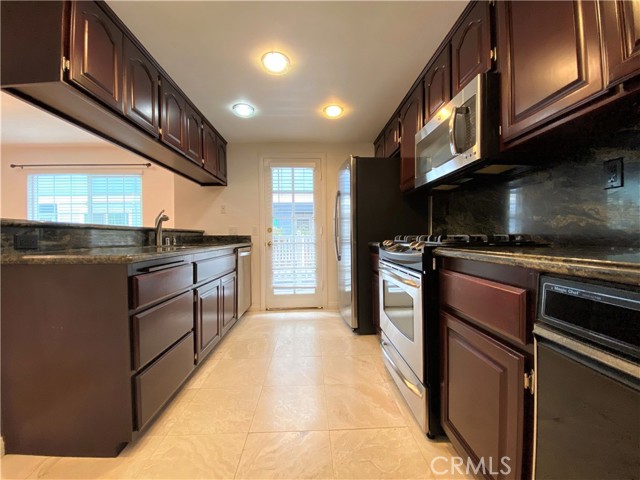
<point>614,173</point>
<point>25,241</point>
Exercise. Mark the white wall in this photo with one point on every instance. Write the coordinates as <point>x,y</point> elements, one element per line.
<point>200,207</point>
<point>157,182</point>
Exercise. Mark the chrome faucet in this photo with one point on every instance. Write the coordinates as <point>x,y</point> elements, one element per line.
<point>159,219</point>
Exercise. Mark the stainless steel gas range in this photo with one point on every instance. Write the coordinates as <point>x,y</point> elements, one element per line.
<point>409,315</point>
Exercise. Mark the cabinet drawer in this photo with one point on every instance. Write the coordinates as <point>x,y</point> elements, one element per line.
<point>157,328</point>
<point>151,287</point>
<point>501,308</point>
<point>158,382</point>
<point>215,267</point>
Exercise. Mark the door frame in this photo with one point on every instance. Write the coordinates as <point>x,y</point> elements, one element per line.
<point>322,264</point>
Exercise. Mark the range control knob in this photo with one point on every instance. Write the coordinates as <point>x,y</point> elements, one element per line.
<point>387,243</point>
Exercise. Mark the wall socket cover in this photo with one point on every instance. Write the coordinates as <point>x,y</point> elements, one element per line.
<point>614,173</point>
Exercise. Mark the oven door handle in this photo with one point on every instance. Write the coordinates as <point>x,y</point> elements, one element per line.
<point>404,379</point>
<point>395,277</point>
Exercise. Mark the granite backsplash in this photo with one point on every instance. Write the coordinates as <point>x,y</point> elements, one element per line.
<point>67,236</point>
<point>563,201</point>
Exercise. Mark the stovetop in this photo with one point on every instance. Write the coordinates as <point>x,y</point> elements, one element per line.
<point>420,243</point>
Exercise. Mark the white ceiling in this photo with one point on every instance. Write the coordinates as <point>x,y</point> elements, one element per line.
<point>362,54</point>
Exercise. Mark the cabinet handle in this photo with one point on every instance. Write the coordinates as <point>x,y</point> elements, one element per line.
<point>404,379</point>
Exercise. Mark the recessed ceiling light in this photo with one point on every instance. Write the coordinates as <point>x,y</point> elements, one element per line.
<point>275,62</point>
<point>243,110</point>
<point>333,111</point>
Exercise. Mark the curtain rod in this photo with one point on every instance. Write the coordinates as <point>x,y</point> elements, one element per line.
<point>45,165</point>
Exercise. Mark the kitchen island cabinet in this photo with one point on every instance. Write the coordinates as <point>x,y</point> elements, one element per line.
<point>94,345</point>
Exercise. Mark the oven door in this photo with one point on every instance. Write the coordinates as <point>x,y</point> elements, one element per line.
<point>401,314</point>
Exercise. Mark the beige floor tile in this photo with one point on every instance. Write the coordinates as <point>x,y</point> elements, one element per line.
<point>294,371</point>
<point>237,372</point>
<point>300,346</point>
<point>377,453</point>
<point>195,456</point>
<point>163,422</point>
<point>288,408</point>
<point>72,468</point>
<point>218,410</point>
<point>19,466</point>
<point>288,455</point>
<point>352,345</point>
<point>258,347</point>
<point>351,369</point>
<point>361,406</point>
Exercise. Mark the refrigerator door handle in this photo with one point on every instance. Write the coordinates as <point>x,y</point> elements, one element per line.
<point>336,225</point>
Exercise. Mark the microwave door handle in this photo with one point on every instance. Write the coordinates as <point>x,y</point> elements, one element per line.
<point>452,128</point>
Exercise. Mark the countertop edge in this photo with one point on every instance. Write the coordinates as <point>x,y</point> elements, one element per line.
<point>595,269</point>
<point>87,258</point>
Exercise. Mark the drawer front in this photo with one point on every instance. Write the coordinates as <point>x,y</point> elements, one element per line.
<point>157,383</point>
<point>501,308</point>
<point>158,328</point>
<point>215,267</point>
<point>151,287</point>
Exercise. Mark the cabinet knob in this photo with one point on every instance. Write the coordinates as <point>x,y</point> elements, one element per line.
<point>269,243</point>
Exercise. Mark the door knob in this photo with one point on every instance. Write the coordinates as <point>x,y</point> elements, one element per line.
<point>269,243</point>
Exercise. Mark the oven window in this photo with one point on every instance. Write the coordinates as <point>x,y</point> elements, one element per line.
<point>398,306</point>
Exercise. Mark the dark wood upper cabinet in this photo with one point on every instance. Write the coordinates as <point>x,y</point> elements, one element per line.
<point>471,47</point>
<point>193,137</point>
<point>621,29</point>
<point>410,123</point>
<point>437,84</point>
<point>141,80</point>
<point>210,150</point>
<point>95,61</point>
<point>222,159</point>
<point>173,117</point>
<point>378,147</point>
<point>392,137</point>
<point>483,397</point>
<point>549,60</point>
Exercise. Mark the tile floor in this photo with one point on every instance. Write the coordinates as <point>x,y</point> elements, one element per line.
<point>285,395</point>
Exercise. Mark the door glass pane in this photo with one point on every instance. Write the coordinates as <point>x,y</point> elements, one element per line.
<point>294,235</point>
<point>398,306</point>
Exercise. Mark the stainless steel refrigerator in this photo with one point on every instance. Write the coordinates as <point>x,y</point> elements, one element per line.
<point>369,207</point>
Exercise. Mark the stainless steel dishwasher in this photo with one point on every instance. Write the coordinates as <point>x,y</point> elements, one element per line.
<point>244,280</point>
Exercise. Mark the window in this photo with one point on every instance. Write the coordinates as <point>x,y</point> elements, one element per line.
<point>80,198</point>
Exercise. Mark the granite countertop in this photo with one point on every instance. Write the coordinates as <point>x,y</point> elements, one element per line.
<point>615,264</point>
<point>103,255</point>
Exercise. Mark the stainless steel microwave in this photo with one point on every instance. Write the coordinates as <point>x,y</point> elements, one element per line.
<point>463,133</point>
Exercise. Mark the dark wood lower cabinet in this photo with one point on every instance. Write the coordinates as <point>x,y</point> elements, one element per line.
<point>91,353</point>
<point>483,398</point>
<point>228,297</point>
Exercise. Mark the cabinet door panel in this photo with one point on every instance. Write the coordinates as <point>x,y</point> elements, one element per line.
<point>222,160</point>
<point>193,136</point>
<point>391,138</point>
<point>437,84</point>
<point>549,60</point>
<point>208,316</point>
<point>141,89</point>
<point>228,298</point>
<point>483,395</point>
<point>470,47</point>
<point>210,151</point>
<point>621,25</point>
<point>410,123</point>
<point>96,53</point>
<point>174,117</point>
<point>379,147</point>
